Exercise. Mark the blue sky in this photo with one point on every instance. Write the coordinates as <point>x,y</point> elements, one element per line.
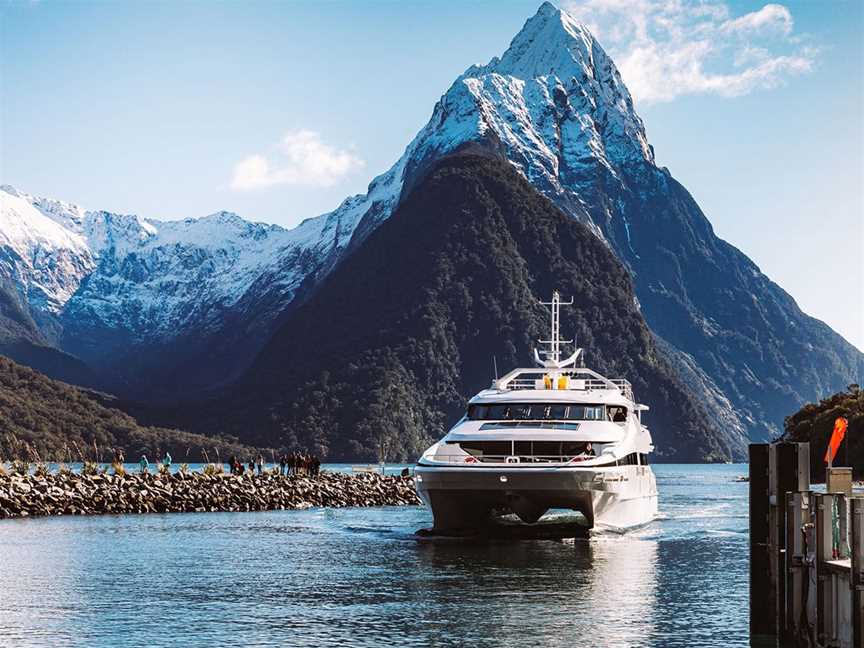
<point>168,109</point>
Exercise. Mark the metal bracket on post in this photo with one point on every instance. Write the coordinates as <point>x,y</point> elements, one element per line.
<point>797,516</point>
<point>824,581</point>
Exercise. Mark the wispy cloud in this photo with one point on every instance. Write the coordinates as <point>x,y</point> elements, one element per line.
<point>668,48</point>
<point>300,158</point>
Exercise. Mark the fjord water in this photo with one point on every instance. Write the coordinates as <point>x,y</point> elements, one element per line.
<point>360,577</point>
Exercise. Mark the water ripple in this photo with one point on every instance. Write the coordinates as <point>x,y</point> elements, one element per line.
<point>359,577</point>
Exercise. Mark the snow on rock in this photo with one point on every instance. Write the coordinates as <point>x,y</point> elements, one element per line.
<point>47,260</point>
<point>553,102</point>
<point>148,277</point>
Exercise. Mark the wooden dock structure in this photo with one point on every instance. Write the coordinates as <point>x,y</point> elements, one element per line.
<point>806,553</point>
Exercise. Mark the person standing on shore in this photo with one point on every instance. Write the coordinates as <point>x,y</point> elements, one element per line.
<point>144,463</point>
<point>260,463</point>
<point>282,464</point>
<point>166,461</point>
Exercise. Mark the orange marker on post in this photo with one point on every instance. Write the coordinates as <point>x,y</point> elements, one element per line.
<point>840,426</point>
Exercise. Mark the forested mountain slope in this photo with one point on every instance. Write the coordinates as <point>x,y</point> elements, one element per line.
<point>382,357</point>
<point>48,419</point>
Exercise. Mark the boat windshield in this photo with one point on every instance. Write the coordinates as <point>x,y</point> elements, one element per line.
<point>536,412</point>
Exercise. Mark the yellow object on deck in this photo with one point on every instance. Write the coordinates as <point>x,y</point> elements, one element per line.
<point>547,381</point>
<point>563,382</point>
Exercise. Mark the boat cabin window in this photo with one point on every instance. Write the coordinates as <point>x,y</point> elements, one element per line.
<point>528,451</point>
<point>617,414</point>
<point>543,425</point>
<point>535,412</point>
<point>493,448</point>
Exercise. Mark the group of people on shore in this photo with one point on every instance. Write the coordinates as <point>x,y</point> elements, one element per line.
<point>293,463</point>
<point>298,463</point>
<point>144,463</point>
<point>237,467</point>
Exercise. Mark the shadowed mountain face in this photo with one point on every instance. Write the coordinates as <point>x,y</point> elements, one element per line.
<point>380,359</point>
<point>752,355</point>
<point>21,339</point>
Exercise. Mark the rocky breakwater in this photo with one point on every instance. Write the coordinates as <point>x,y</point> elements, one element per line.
<point>68,493</point>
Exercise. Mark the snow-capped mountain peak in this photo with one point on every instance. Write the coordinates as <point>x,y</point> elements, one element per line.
<point>565,92</point>
<point>553,104</point>
<point>551,42</point>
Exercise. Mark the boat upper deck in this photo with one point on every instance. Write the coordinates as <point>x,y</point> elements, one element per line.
<point>576,385</point>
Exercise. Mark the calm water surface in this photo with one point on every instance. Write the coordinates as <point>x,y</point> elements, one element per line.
<point>358,577</point>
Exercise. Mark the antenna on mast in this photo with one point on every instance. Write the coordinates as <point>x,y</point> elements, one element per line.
<point>552,354</point>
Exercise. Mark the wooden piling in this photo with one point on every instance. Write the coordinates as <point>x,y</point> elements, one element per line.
<point>788,471</point>
<point>763,618</point>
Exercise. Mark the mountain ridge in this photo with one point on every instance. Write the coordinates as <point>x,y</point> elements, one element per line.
<point>553,106</point>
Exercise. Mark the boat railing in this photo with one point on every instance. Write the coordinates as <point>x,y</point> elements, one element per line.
<point>509,460</point>
<point>588,384</point>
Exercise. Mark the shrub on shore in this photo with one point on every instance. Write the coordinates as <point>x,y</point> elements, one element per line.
<point>815,422</point>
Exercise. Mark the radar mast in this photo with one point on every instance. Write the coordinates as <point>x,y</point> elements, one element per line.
<point>552,353</point>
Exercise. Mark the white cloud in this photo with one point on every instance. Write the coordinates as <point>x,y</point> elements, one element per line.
<point>300,158</point>
<point>669,48</point>
<point>771,17</point>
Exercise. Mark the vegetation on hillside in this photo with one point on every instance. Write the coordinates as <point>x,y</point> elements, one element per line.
<point>815,422</point>
<point>44,419</point>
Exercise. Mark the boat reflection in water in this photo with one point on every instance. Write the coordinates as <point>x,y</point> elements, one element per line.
<point>564,586</point>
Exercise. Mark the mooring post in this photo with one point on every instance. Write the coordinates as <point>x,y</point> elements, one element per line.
<point>763,616</point>
<point>788,471</point>
<point>824,552</point>
<point>857,549</point>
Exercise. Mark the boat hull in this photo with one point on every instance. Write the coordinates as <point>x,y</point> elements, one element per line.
<point>618,497</point>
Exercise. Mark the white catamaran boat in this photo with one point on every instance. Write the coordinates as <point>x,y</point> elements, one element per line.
<point>556,436</point>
